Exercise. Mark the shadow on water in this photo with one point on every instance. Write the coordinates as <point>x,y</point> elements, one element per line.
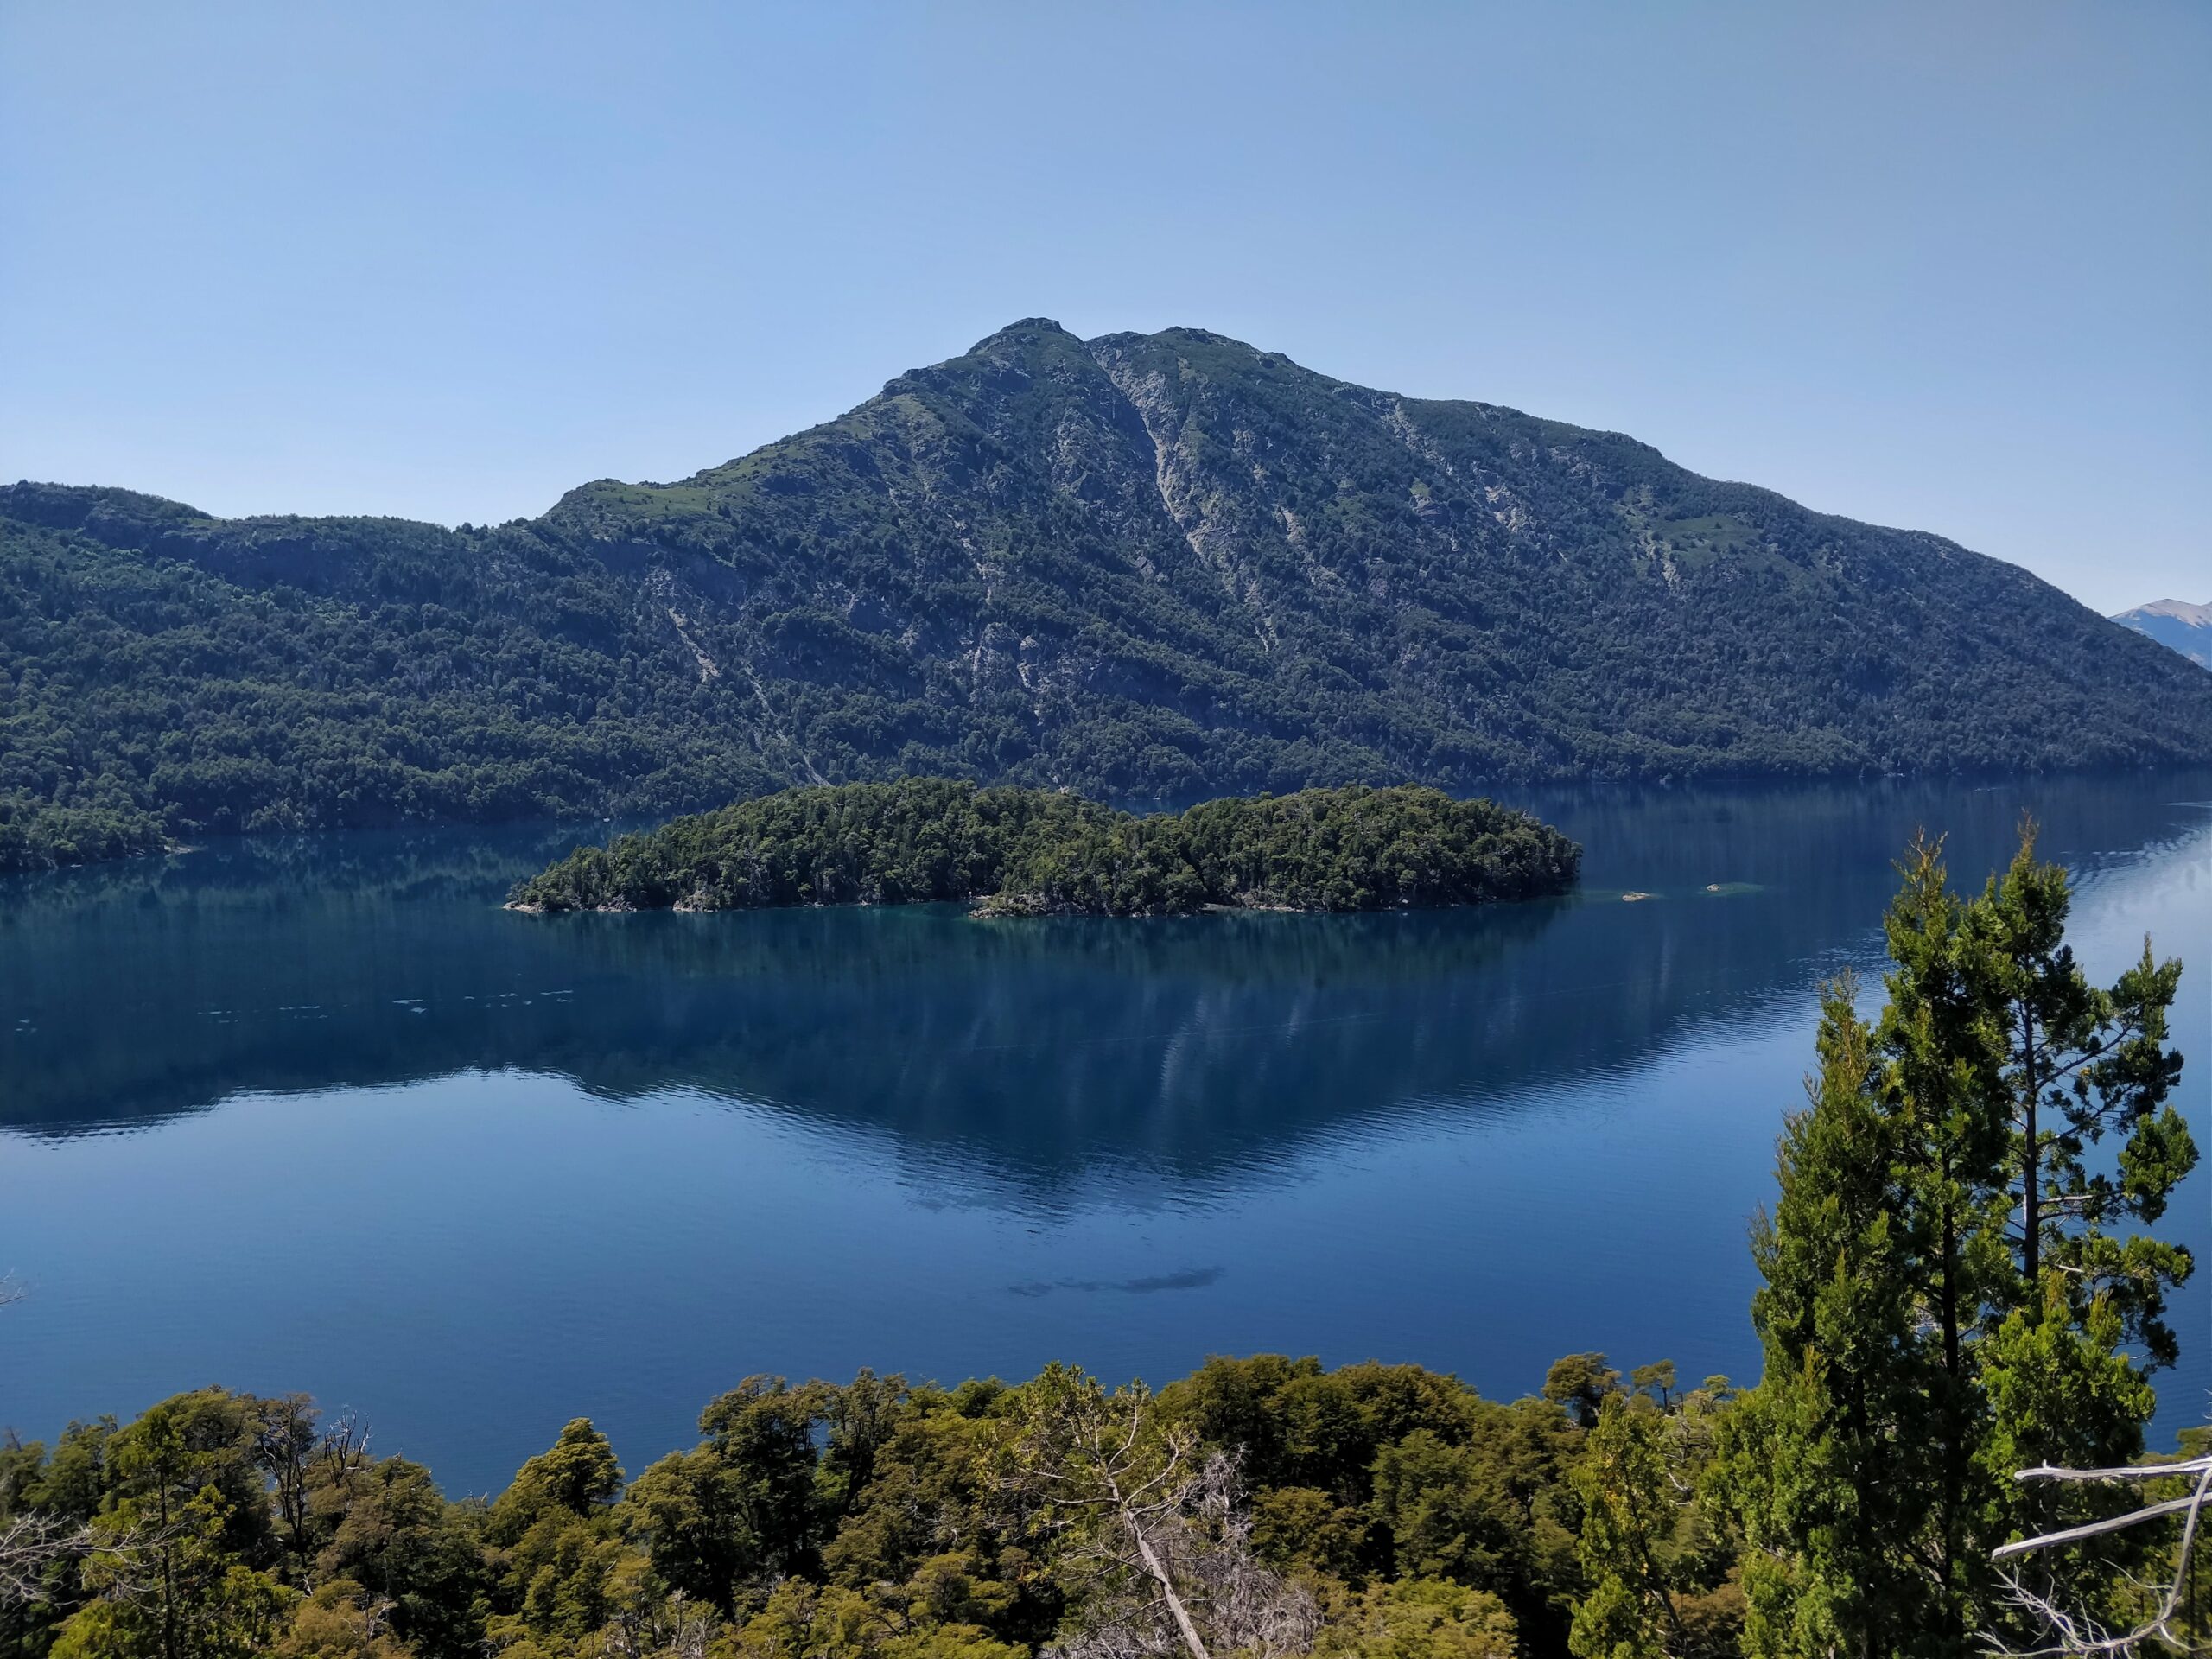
<point>1025,1056</point>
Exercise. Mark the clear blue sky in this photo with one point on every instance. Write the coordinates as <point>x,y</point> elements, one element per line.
<point>1948,266</point>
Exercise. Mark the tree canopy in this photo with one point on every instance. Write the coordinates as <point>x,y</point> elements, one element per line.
<point>1947,1299</point>
<point>1035,852</point>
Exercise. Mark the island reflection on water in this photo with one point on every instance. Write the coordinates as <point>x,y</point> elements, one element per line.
<point>1068,1082</point>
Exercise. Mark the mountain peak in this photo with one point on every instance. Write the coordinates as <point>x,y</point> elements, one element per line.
<point>2175,622</point>
<point>2181,610</point>
<point>1028,331</point>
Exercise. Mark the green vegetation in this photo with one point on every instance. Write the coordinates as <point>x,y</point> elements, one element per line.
<point>1038,852</point>
<point>1952,1292</point>
<point>36,836</point>
<point>1141,567</point>
<point>1927,1330</point>
<point>183,677</point>
<point>875,1520</point>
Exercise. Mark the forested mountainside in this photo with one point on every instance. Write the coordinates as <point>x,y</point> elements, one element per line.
<point>1142,566</point>
<point>2186,627</point>
<point>1042,852</point>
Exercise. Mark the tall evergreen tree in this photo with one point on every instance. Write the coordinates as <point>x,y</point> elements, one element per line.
<point>1829,1461</point>
<point>1944,1300</point>
<point>1940,1068</point>
<point>2083,1063</point>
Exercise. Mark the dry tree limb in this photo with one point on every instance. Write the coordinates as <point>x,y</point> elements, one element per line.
<point>2075,1633</point>
<point>32,1542</point>
<point>28,1545</point>
<point>1157,1529</point>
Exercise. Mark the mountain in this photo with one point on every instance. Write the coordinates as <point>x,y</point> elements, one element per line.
<point>2186,627</point>
<point>1143,566</point>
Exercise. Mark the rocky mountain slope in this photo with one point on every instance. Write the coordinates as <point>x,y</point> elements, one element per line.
<point>2186,627</point>
<point>1144,565</point>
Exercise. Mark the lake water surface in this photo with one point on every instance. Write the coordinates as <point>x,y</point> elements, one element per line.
<point>316,1113</point>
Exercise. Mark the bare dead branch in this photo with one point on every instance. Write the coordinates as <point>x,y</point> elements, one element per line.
<point>2075,1633</point>
<point>31,1545</point>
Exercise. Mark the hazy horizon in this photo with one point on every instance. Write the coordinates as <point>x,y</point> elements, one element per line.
<point>1935,268</point>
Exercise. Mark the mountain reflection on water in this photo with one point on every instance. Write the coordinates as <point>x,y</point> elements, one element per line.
<point>1025,1049</point>
<point>1266,1076</point>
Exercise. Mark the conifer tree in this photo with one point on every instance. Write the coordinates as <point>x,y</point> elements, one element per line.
<point>1831,1460</point>
<point>1656,1572</point>
<point>2082,1064</point>
<point>1944,1302</point>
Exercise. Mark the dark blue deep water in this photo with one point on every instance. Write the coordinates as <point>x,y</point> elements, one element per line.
<point>316,1113</point>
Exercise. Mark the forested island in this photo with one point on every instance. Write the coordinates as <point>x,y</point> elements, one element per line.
<point>1036,852</point>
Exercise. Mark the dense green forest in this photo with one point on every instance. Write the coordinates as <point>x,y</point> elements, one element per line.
<point>1144,567</point>
<point>1045,852</point>
<point>1962,1276</point>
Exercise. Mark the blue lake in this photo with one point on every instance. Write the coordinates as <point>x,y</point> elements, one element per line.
<point>316,1113</point>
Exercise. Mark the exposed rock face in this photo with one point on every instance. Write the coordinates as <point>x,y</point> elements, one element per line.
<point>1258,575</point>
